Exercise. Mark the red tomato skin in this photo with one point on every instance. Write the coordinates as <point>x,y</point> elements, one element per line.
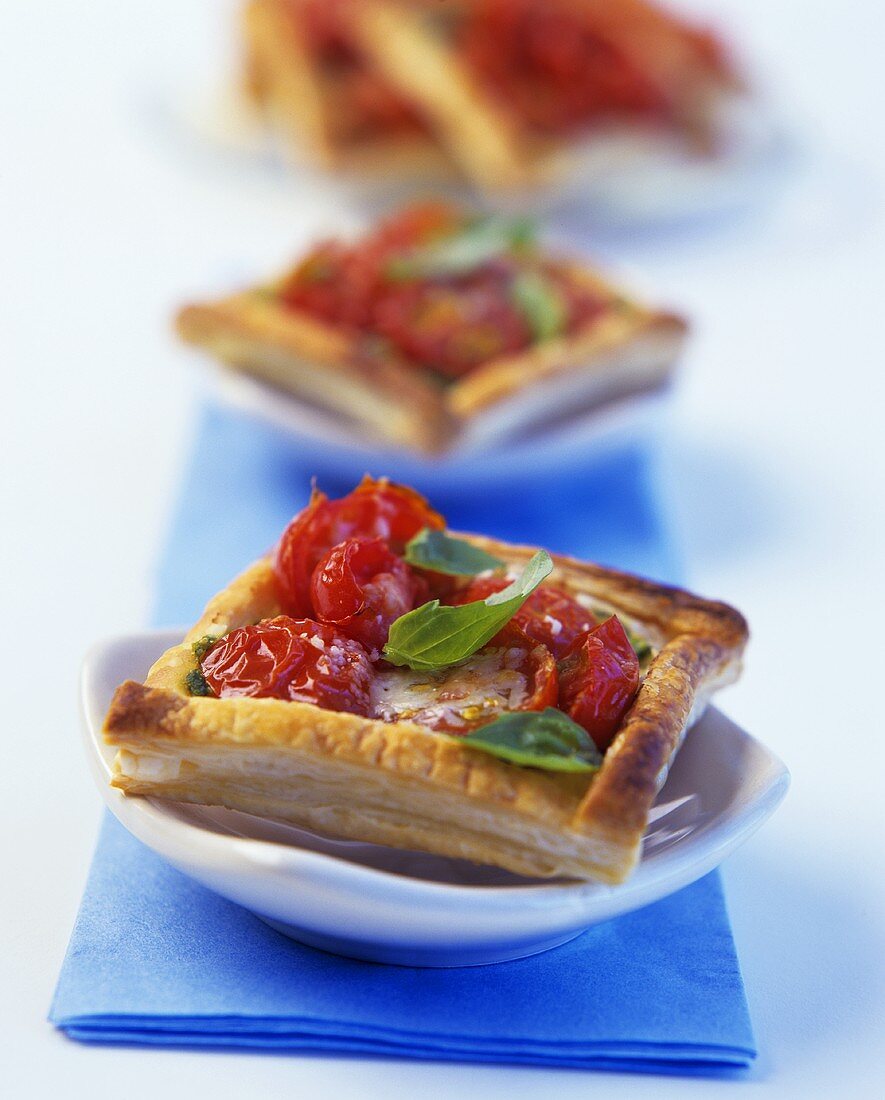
<point>446,323</point>
<point>598,680</point>
<point>362,587</point>
<point>375,509</point>
<point>300,547</point>
<point>293,659</point>
<point>341,284</point>
<point>430,585</point>
<point>382,509</point>
<point>559,69</point>
<point>549,616</point>
<point>477,589</point>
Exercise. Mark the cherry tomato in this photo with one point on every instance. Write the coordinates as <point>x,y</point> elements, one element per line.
<point>430,585</point>
<point>561,69</point>
<point>517,675</point>
<point>549,616</point>
<point>375,509</point>
<point>361,586</point>
<point>598,680</point>
<point>344,285</point>
<point>449,323</point>
<point>456,324</point>
<point>294,659</point>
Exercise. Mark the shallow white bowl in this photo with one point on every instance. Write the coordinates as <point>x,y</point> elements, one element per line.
<point>636,421</point>
<point>391,906</point>
<point>620,182</point>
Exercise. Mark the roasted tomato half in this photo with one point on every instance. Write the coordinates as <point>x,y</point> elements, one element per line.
<point>549,616</point>
<point>598,680</point>
<point>375,509</point>
<point>294,659</point>
<point>517,675</point>
<point>561,67</point>
<point>362,586</point>
<point>455,325</point>
<point>342,284</point>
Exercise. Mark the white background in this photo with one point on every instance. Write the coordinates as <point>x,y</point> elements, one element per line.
<point>774,475</point>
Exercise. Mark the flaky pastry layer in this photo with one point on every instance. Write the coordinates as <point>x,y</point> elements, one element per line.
<point>403,785</point>
<point>629,349</point>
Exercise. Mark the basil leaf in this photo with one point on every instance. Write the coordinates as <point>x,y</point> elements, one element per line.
<point>435,636</point>
<point>202,645</point>
<point>436,550</point>
<point>196,684</point>
<point>481,240</point>
<point>541,303</point>
<point>545,739</point>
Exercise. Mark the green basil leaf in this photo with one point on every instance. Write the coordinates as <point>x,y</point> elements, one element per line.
<point>541,303</point>
<point>435,636</point>
<point>202,645</point>
<point>196,684</point>
<point>436,550</point>
<point>481,240</point>
<point>545,739</point>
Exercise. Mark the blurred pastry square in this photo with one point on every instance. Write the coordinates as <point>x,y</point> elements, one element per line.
<point>441,328</point>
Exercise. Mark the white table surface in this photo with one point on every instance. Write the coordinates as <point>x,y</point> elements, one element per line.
<point>773,476</point>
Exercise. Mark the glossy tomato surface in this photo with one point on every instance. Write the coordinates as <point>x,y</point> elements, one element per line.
<point>375,509</point>
<point>450,322</point>
<point>561,69</point>
<point>454,325</point>
<point>293,659</point>
<point>598,680</point>
<point>342,283</point>
<point>361,586</point>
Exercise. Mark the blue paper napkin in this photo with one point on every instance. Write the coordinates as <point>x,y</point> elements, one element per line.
<point>157,959</point>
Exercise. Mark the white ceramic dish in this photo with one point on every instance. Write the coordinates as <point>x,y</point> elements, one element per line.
<point>617,183</point>
<point>573,442</point>
<point>401,907</point>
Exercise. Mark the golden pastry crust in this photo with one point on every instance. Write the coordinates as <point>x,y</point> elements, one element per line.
<point>485,141</point>
<point>322,366</point>
<point>630,349</point>
<point>286,81</point>
<point>403,785</point>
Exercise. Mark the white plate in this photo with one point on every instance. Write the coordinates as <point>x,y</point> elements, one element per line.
<point>376,903</point>
<point>575,442</point>
<point>618,182</point>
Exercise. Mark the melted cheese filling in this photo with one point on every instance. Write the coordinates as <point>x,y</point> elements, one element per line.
<point>475,692</point>
<point>453,698</point>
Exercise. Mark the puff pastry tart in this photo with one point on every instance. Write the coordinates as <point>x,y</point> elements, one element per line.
<point>382,679</point>
<point>441,328</point>
<point>498,91</point>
